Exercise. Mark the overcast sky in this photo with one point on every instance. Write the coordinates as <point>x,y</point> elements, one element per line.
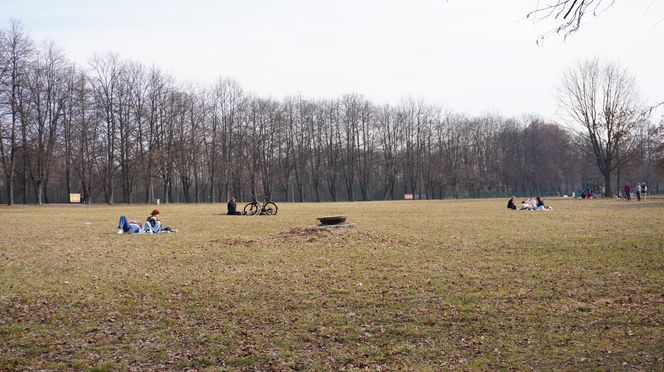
<point>470,56</point>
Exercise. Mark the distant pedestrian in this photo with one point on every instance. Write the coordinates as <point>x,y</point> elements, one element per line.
<point>644,190</point>
<point>628,191</point>
<point>638,192</point>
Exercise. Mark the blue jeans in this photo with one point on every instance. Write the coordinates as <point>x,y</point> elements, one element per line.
<point>128,227</point>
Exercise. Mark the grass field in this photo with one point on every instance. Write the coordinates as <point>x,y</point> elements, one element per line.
<point>424,285</point>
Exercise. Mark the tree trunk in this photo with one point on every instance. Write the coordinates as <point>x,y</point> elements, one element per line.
<point>10,189</point>
<point>607,184</point>
<point>39,192</point>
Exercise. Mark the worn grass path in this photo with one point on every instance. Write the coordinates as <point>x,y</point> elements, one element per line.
<point>424,285</point>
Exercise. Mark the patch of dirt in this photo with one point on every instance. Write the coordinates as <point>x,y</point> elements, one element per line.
<point>293,235</point>
<point>308,234</point>
<point>305,234</point>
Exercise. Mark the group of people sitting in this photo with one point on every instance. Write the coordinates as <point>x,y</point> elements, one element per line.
<point>152,225</point>
<point>536,204</point>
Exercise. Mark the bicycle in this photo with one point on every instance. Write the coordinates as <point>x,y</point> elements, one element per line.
<point>267,208</point>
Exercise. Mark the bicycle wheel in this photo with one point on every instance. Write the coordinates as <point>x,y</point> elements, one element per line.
<point>270,208</point>
<point>251,209</point>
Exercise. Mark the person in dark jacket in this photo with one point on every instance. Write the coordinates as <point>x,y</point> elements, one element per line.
<point>628,191</point>
<point>232,207</point>
<point>510,204</point>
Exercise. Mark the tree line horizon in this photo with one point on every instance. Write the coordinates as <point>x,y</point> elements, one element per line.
<point>119,132</point>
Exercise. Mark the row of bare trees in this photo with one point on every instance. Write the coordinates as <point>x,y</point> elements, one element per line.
<point>118,131</point>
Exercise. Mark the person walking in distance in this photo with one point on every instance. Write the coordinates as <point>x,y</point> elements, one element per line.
<point>628,190</point>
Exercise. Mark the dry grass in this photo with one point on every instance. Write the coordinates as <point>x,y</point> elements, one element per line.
<point>424,285</point>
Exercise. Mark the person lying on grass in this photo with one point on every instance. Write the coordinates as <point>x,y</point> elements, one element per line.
<point>152,225</point>
<point>129,226</point>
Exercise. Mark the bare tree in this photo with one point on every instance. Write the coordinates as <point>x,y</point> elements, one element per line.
<point>333,147</point>
<point>70,126</point>
<point>390,134</point>
<point>300,115</point>
<point>287,144</point>
<point>228,104</point>
<point>138,93</point>
<point>148,134</point>
<point>366,142</point>
<point>658,133</point>
<point>105,82</point>
<point>128,119</point>
<point>16,51</point>
<point>602,103</point>
<point>47,97</point>
<point>170,108</point>
<point>188,126</point>
<point>316,131</point>
<point>348,136</point>
<point>84,141</point>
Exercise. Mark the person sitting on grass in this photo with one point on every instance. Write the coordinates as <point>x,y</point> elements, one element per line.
<point>541,206</point>
<point>524,206</point>
<point>510,204</point>
<point>232,207</point>
<point>153,224</point>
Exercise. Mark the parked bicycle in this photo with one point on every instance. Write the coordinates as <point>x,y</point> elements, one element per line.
<point>256,208</point>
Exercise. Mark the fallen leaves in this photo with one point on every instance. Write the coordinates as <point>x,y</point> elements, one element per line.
<point>443,288</point>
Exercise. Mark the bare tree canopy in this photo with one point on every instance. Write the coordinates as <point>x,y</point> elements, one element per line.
<point>602,104</point>
<point>569,13</point>
<point>118,131</point>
